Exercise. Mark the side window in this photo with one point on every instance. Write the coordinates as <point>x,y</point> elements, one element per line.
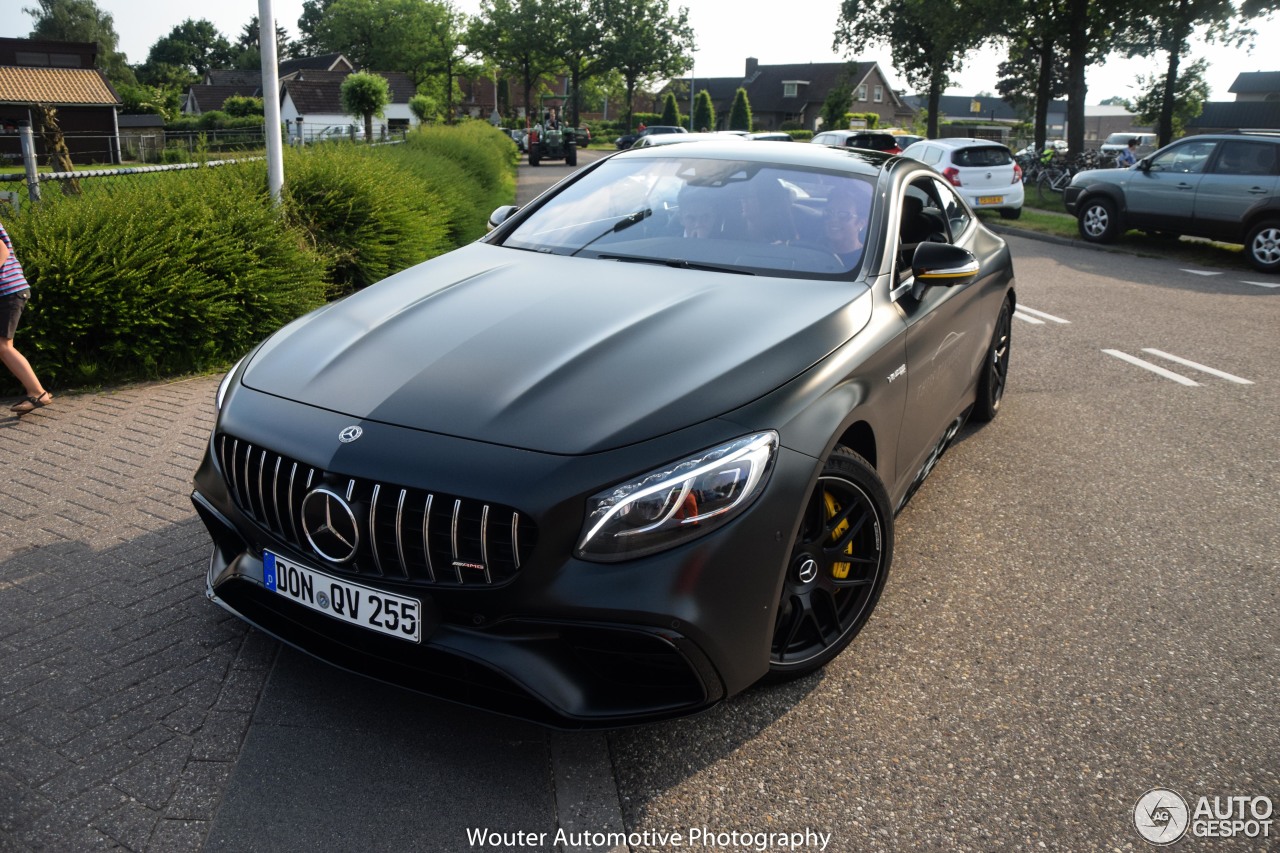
<point>957,215</point>
<point>922,219</point>
<point>879,94</point>
<point>1187,158</point>
<point>862,92</point>
<point>1246,158</point>
<point>932,155</point>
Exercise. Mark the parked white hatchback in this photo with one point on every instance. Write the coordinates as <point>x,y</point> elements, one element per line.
<point>982,171</point>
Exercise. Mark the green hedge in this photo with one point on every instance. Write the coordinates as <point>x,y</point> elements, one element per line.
<point>158,275</point>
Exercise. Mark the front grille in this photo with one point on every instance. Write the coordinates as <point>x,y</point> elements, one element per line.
<point>406,534</point>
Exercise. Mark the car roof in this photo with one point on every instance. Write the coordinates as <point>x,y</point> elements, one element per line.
<point>855,160</point>
<point>955,142</point>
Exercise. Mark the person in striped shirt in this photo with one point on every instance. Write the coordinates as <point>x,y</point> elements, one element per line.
<point>14,293</point>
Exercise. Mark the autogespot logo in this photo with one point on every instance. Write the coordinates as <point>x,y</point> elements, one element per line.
<point>1161,816</point>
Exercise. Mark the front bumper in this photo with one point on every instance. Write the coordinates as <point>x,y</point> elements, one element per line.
<point>564,642</point>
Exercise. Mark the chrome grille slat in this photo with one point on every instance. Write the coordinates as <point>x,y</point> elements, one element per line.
<point>373,527</point>
<point>404,564</point>
<point>426,538</point>
<point>453,538</point>
<point>485,549</point>
<point>484,542</point>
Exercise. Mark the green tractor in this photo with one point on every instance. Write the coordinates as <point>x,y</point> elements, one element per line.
<point>556,144</point>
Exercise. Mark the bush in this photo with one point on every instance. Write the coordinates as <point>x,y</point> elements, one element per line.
<point>163,274</point>
<point>142,279</point>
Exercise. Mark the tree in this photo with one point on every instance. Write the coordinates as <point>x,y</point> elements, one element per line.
<point>704,112</point>
<point>247,53</point>
<point>670,111</point>
<point>740,112</point>
<point>835,109</point>
<point>82,20</point>
<point>512,34</point>
<point>195,46</point>
<point>576,40</point>
<point>423,108</point>
<point>1188,99</point>
<point>309,22</point>
<point>1032,75</point>
<point>365,94</point>
<point>644,41</point>
<point>1169,25</point>
<point>928,39</point>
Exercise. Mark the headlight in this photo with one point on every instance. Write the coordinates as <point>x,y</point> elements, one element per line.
<point>226,383</point>
<point>677,503</point>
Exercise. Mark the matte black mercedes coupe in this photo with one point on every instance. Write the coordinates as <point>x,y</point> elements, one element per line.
<point>636,449</point>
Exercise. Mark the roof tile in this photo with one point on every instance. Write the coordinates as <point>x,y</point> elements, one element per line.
<point>65,86</point>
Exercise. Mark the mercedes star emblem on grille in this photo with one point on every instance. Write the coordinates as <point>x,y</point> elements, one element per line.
<point>330,525</point>
<point>350,434</point>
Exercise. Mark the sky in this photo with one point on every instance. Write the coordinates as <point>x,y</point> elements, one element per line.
<point>727,35</point>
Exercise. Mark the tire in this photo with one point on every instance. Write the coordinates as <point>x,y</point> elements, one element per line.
<point>1098,220</point>
<point>1262,246</point>
<point>535,156</point>
<point>847,515</point>
<point>1010,212</point>
<point>995,367</point>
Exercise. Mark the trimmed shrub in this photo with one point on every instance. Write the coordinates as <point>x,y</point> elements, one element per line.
<point>138,280</point>
<point>156,275</point>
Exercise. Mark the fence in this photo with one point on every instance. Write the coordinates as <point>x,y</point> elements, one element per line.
<point>173,151</point>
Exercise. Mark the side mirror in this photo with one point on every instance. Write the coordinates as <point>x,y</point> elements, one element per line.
<point>501,215</point>
<point>941,264</point>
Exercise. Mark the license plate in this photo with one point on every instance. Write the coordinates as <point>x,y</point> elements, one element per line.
<point>372,609</point>
<point>990,199</point>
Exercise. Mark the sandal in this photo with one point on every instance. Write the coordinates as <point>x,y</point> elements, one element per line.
<point>32,403</point>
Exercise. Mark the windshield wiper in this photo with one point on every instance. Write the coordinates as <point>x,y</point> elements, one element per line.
<point>677,263</point>
<point>621,225</point>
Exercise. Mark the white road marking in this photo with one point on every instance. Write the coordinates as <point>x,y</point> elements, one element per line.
<point>1043,315</point>
<point>1194,366</point>
<point>1027,318</point>
<point>1271,284</point>
<point>1154,368</point>
<point>1203,272</point>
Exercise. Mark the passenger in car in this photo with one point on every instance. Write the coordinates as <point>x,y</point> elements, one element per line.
<point>844,224</point>
<point>699,213</point>
<point>767,214</point>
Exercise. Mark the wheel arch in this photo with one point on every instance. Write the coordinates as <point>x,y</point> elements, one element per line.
<point>861,439</point>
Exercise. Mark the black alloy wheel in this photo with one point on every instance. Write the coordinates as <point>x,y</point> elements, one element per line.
<point>995,367</point>
<point>839,563</point>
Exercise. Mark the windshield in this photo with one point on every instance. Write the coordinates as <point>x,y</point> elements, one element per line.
<point>736,216</point>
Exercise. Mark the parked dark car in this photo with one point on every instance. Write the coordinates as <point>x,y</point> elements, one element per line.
<point>591,471</point>
<point>1223,187</point>
<point>629,139</point>
<point>872,140</point>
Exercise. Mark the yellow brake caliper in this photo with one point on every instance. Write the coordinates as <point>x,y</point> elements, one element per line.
<point>839,571</point>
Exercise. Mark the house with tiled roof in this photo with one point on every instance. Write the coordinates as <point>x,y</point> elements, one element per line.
<point>314,98</point>
<point>62,75</point>
<point>796,92</point>
<point>1257,86</point>
<point>1256,107</point>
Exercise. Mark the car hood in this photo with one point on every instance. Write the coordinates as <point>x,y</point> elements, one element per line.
<point>555,354</point>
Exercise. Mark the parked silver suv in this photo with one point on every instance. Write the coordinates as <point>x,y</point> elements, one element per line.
<point>1223,187</point>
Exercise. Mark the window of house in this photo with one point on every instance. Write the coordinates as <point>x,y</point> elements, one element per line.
<point>788,90</point>
<point>862,92</point>
<point>879,94</point>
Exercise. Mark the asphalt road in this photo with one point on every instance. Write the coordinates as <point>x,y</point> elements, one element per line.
<point>1082,607</point>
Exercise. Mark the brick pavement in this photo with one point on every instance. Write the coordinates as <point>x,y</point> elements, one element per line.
<point>124,695</point>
